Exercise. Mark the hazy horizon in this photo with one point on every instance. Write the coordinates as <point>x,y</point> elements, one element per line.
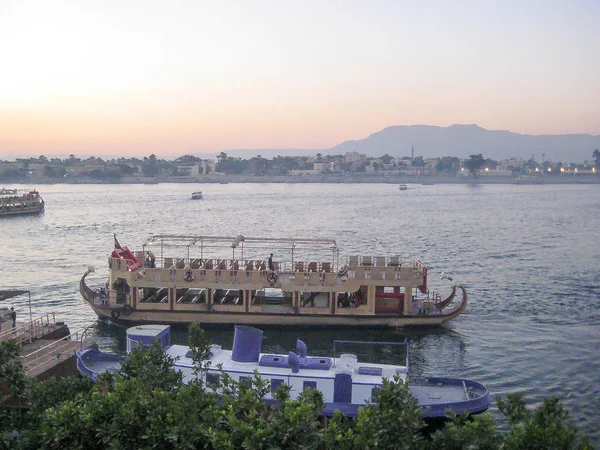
<point>135,78</point>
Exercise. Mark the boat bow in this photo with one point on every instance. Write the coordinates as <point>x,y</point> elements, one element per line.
<point>459,308</point>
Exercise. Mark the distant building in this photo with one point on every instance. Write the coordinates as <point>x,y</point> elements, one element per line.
<point>320,167</point>
<point>354,157</point>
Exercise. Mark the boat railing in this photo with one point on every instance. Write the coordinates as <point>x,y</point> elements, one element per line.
<point>29,331</point>
<point>376,261</point>
<point>403,343</point>
<point>62,349</point>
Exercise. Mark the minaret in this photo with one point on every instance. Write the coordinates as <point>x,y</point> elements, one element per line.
<point>412,155</point>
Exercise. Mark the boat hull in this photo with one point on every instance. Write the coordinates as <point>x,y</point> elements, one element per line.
<point>22,212</point>
<point>141,316</point>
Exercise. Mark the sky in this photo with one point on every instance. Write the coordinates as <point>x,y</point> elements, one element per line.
<point>131,78</point>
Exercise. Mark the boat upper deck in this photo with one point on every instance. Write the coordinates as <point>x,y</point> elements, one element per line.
<point>239,262</point>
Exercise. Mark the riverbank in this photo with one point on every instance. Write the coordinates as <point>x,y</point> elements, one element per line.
<point>220,178</point>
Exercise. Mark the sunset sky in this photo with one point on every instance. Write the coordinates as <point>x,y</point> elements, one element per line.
<point>177,77</point>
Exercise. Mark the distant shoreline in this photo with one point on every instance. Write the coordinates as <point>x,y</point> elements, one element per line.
<point>332,179</point>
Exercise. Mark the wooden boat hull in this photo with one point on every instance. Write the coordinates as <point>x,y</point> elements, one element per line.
<point>125,316</point>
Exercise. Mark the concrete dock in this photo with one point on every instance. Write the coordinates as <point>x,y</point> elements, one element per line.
<point>47,346</point>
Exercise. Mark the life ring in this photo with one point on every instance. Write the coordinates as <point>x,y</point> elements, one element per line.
<point>188,275</point>
<point>127,310</point>
<point>115,314</point>
<point>272,277</point>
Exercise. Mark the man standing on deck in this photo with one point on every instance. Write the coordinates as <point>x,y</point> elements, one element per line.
<point>13,316</point>
<point>271,266</point>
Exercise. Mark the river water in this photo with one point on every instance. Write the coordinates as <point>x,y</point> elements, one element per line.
<point>528,255</point>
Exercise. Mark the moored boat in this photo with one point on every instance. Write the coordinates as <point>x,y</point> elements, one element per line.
<point>15,202</point>
<point>346,383</point>
<point>197,195</point>
<point>225,280</point>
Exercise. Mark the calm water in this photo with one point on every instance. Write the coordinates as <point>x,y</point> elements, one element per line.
<point>529,256</point>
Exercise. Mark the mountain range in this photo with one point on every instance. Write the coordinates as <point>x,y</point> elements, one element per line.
<point>464,140</point>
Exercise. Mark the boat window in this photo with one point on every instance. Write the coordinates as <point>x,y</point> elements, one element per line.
<point>212,378</point>
<point>310,384</point>
<point>365,370</point>
<point>373,391</point>
<point>275,383</point>
<point>246,381</point>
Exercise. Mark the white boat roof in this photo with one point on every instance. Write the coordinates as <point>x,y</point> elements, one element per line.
<point>223,358</point>
<point>147,330</point>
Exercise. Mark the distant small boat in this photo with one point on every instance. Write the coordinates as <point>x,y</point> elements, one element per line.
<point>403,187</point>
<point>197,195</point>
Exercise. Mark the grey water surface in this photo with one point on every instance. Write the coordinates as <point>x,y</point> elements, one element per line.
<point>528,255</point>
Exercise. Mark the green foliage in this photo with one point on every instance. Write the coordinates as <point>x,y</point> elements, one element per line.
<point>46,394</point>
<point>393,421</point>
<point>147,405</point>
<point>152,367</point>
<point>547,426</point>
<point>12,387</point>
<point>464,432</point>
<point>200,348</point>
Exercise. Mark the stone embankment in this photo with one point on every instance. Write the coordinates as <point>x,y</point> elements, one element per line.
<point>350,178</point>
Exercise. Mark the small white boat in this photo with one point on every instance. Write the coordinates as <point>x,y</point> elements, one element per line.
<point>197,195</point>
<point>402,187</point>
<point>346,383</point>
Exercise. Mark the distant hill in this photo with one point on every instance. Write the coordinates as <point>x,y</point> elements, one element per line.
<point>465,140</point>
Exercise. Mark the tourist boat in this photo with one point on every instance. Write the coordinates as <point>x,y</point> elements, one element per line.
<point>20,201</point>
<point>197,195</point>
<point>227,280</point>
<point>346,383</point>
<point>402,187</point>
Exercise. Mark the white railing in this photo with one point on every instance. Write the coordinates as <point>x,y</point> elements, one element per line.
<point>29,331</point>
<point>61,349</point>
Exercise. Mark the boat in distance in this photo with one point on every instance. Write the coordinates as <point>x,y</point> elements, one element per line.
<point>14,202</point>
<point>346,383</point>
<point>402,187</point>
<point>226,280</point>
<point>197,195</point>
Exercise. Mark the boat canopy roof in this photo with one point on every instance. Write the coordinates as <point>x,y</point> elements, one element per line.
<point>255,246</point>
<point>179,240</point>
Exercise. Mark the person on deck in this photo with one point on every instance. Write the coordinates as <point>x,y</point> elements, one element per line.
<point>13,316</point>
<point>271,266</point>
